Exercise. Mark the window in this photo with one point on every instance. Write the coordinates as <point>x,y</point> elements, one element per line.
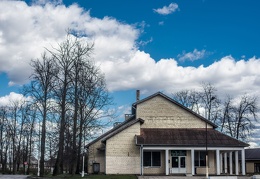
<point>152,159</point>
<point>200,158</point>
<point>257,167</point>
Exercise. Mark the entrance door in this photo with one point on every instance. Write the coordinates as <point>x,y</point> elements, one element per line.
<point>178,164</point>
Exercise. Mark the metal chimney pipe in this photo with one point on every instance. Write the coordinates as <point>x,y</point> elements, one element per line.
<point>137,95</point>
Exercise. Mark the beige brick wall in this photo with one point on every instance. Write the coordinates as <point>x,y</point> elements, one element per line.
<point>156,170</point>
<point>188,161</point>
<point>250,167</point>
<point>212,167</point>
<point>158,112</point>
<point>97,156</point>
<point>122,155</point>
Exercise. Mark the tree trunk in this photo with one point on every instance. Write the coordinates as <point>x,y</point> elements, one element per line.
<point>43,137</point>
<point>58,168</point>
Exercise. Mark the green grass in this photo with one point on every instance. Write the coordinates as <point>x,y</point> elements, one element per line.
<point>111,177</point>
<point>66,176</point>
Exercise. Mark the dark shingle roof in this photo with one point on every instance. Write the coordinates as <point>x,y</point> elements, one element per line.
<point>112,133</point>
<point>132,120</point>
<point>186,137</point>
<point>252,154</point>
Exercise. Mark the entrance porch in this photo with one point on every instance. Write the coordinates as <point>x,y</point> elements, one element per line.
<point>191,161</point>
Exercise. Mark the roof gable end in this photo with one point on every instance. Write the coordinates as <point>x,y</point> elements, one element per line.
<point>176,103</point>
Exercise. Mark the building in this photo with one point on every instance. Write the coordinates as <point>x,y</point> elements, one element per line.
<point>162,137</point>
<point>252,157</point>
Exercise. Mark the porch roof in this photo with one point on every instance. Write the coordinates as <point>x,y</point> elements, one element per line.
<point>252,154</point>
<point>191,137</point>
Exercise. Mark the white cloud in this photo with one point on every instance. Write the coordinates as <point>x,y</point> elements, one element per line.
<point>143,72</point>
<point>192,56</point>
<point>25,33</point>
<point>161,23</point>
<point>44,2</point>
<point>12,98</point>
<point>25,30</point>
<point>167,9</point>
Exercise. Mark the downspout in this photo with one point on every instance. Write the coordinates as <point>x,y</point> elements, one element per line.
<point>105,159</point>
<point>141,154</point>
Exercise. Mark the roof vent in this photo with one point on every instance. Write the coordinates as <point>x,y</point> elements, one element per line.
<point>116,124</point>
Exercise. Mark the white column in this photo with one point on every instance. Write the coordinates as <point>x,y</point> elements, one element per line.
<point>243,161</point>
<point>217,162</point>
<point>225,162</point>
<point>166,162</point>
<point>230,163</point>
<point>192,162</point>
<point>236,156</point>
<point>221,163</point>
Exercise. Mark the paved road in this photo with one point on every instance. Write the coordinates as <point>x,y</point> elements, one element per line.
<point>183,177</point>
<point>13,176</point>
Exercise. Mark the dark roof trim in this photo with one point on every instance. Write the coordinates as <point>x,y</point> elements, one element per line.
<point>178,104</point>
<point>122,128</point>
<point>115,130</point>
<point>111,130</point>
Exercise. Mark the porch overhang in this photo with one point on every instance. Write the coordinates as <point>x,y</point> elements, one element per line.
<point>186,138</point>
<point>192,140</point>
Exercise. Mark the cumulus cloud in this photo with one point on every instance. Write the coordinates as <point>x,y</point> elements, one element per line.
<point>165,10</point>
<point>192,56</point>
<point>44,2</point>
<point>25,33</point>
<point>142,71</point>
<point>8,100</point>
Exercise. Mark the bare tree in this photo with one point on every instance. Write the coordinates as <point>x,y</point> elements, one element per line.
<point>3,137</point>
<point>31,120</point>
<point>189,99</point>
<point>238,116</point>
<point>13,131</point>
<point>77,76</point>
<point>235,117</point>
<point>41,91</point>
<point>67,91</point>
<point>64,64</point>
<point>210,102</point>
<point>228,116</point>
<point>80,57</point>
<point>245,114</point>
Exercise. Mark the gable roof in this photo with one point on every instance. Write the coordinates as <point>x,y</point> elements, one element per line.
<point>252,154</point>
<point>189,137</point>
<point>120,127</point>
<point>130,123</point>
<point>176,103</point>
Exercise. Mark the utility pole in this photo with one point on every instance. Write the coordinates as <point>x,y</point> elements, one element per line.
<point>207,162</point>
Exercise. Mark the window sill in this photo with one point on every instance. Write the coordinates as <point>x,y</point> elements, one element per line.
<point>152,167</point>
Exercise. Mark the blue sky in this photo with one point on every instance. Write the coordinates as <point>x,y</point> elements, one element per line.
<point>148,45</point>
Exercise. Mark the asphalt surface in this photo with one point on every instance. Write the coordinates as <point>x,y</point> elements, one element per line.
<point>13,176</point>
<point>184,177</point>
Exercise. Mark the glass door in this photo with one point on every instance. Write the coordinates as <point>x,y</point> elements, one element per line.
<point>178,164</point>
<point>182,164</point>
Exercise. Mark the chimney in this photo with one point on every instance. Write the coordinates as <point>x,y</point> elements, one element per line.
<point>137,95</point>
